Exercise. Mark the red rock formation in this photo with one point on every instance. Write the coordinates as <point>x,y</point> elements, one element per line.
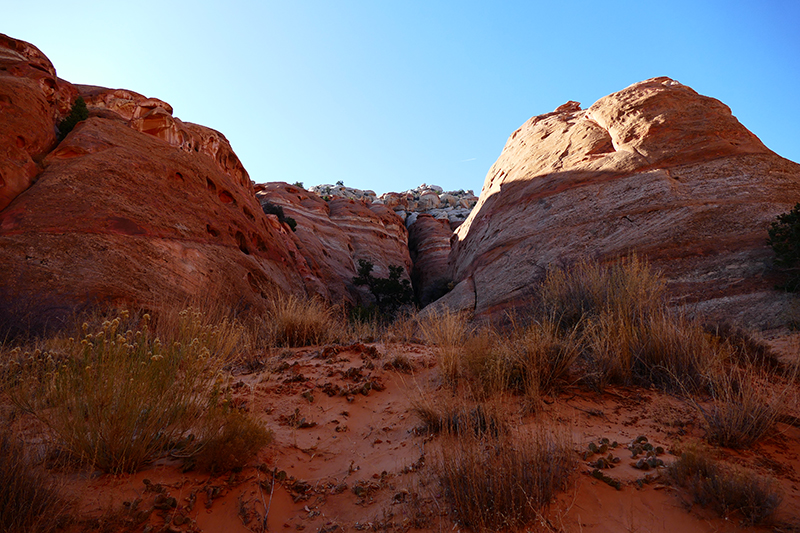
<point>655,169</point>
<point>133,205</point>
<point>332,236</point>
<point>429,244</point>
<point>31,101</point>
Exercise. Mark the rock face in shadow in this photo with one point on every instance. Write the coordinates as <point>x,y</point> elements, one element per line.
<point>333,235</point>
<point>655,169</point>
<point>429,244</point>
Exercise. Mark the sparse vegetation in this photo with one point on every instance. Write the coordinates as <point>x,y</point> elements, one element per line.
<point>629,334</point>
<point>270,208</point>
<point>78,113</point>
<point>784,238</point>
<point>493,482</point>
<point>727,490</point>
<point>296,321</point>
<point>745,406</point>
<point>229,439</point>
<point>390,293</point>
<point>121,397</point>
<point>28,500</point>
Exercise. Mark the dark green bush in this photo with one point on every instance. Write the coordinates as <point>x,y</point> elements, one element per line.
<point>784,238</point>
<point>274,209</point>
<point>78,113</point>
<point>390,293</point>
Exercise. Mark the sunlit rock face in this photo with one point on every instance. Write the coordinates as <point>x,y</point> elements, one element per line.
<point>134,206</point>
<point>31,103</point>
<point>655,169</point>
<point>333,235</point>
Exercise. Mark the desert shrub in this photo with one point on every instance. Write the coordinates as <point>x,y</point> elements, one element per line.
<point>449,331</point>
<point>745,347</point>
<point>503,480</point>
<point>390,293</point>
<point>229,439</point>
<point>662,348</point>
<point>628,287</point>
<point>119,398</point>
<point>627,332</point>
<point>745,406</point>
<point>296,321</point>
<point>726,490</point>
<point>784,238</point>
<point>28,500</point>
<point>78,113</point>
<point>540,357</point>
<point>270,208</point>
<point>459,414</point>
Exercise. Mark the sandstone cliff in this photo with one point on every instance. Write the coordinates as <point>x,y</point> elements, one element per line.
<point>655,169</point>
<point>333,235</point>
<point>136,206</point>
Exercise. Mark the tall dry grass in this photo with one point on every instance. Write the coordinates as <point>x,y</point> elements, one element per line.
<point>449,331</point>
<point>629,288</point>
<point>120,396</point>
<point>629,335</point>
<point>728,490</point>
<point>495,481</point>
<point>746,405</point>
<point>296,321</point>
<point>28,500</point>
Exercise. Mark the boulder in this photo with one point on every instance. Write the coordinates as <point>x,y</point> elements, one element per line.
<point>656,169</point>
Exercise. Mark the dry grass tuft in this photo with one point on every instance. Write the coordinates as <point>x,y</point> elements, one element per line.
<point>726,490</point>
<point>628,333</point>
<point>628,287</point>
<point>746,405</point>
<point>293,321</point>
<point>120,397</point>
<point>229,439</point>
<point>449,331</point>
<point>28,501</point>
<point>493,482</point>
<point>459,415</point>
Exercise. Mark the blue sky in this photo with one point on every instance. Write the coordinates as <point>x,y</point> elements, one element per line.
<point>387,95</point>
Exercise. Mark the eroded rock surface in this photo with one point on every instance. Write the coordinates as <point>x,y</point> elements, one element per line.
<point>655,169</point>
<point>133,206</point>
<point>429,244</point>
<point>333,235</point>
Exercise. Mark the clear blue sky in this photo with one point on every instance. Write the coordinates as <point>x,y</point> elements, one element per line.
<point>387,95</point>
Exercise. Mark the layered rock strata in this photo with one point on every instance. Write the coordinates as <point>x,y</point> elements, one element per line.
<point>333,235</point>
<point>134,206</point>
<point>655,169</point>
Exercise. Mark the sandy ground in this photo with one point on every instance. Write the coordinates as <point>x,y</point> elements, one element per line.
<point>347,456</point>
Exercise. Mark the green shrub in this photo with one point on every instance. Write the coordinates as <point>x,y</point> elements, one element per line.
<point>784,238</point>
<point>270,208</point>
<point>390,293</point>
<point>78,113</point>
